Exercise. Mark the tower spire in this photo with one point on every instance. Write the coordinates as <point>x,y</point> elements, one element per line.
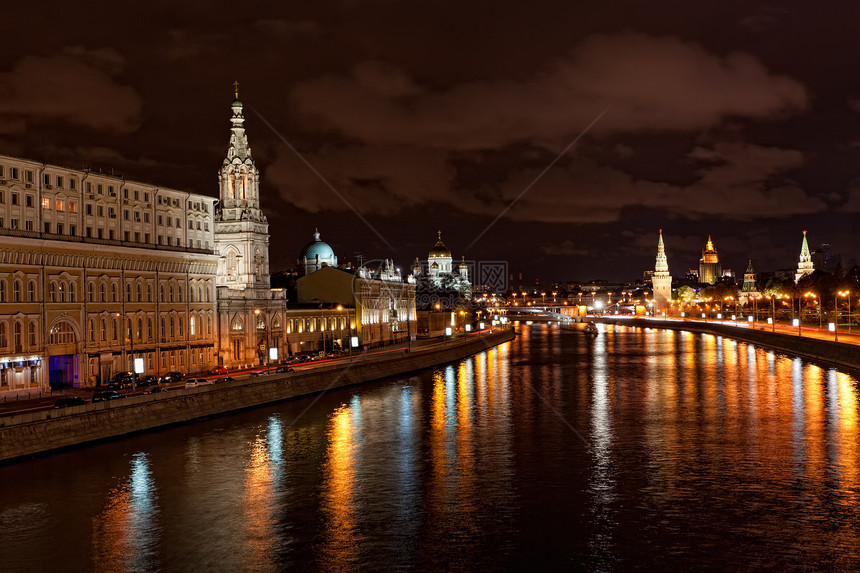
<point>236,90</point>
<point>661,280</point>
<point>805,265</point>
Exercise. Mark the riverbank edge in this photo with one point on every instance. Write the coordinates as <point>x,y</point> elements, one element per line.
<point>827,351</point>
<point>23,435</point>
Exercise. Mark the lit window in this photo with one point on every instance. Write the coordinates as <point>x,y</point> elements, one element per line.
<point>61,205</point>
<point>73,207</point>
<point>46,203</point>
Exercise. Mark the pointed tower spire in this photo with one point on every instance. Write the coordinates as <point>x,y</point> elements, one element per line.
<point>661,280</point>
<point>805,265</point>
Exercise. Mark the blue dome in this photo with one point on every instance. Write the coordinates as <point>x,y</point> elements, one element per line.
<point>316,248</point>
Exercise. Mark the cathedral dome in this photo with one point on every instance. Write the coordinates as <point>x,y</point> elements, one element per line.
<point>439,249</point>
<point>316,248</point>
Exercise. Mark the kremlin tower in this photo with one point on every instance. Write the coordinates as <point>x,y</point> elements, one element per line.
<point>661,280</point>
<point>805,266</point>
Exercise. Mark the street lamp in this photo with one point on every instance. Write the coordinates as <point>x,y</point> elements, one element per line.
<point>847,294</point>
<point>257,312</point>
<point>815,297</point>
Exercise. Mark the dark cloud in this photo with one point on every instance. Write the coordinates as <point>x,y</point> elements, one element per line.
<point>77,86</point>
<point>651,83</point>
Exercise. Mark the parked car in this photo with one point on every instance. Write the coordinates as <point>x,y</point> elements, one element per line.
<point>259,373</point>
<point>148,380</point>
<point>70,401</point>
<point>225,379</point>
<point>171,377</point>
<point>105,395</point>
<point>204,382</point>
<point>120,380</point>
<point>155,390</point>
<point>218,370</point>
<point>191,383</point>
<point>283,370</point>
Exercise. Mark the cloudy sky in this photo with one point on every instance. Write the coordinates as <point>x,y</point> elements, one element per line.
<point>739,120</point>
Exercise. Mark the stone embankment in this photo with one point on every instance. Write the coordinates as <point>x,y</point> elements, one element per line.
<point>46,430</point>
<point>838,353</point>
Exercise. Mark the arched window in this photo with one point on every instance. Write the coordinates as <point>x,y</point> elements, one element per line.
<point>61,291</point>
<point>104,329</point>
<point>149,328</point>
<point>179,293</point>
<point>192,325</point>
<point>115,329</point>
<point>276,322</point>
<point>237,324</point>
<point>172,327</point>
<point>62,333</point>
<point>114,296</point>
<point>127,292</point>
<point>102,296</point>
<point>18,341</point>
<point>258,263</point>
<point>161,293</point>
<point>31,291</point>
<point>207,291</point>
<point>163,330</point>
<point>200,294</point>
<point>148,293</point>
<point>180,321</point>
<point>31,334</point>
<point>52,291</point>
<point>92,330</point>
<point>208,325</point>
<point>232,266</point>
<point>139,293</point>
<point>91,292</point>
<point>71,291</point>
<point>139,332</point>
<point>191,293</point>
<point>2,291</point>
<point>170,291</point>
<point>3,335</point>
<point>16,291</point>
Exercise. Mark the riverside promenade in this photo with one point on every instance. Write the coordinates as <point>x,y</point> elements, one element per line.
<point>45,429</point>
<point>841,348</point>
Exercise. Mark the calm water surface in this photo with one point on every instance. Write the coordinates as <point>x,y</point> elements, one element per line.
<point>638,449</point>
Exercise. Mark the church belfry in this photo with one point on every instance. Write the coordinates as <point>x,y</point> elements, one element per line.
<point>241,228</point>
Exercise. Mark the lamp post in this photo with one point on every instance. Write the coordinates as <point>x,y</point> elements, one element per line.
<point>844,293</point>
<point>258,312</point>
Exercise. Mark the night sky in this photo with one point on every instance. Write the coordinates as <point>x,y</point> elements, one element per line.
<point>736,119</point>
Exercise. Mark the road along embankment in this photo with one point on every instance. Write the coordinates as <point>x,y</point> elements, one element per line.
<point>836,353</point>
<point>42,431</point>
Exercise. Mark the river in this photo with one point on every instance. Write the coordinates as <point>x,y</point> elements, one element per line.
<point>637,449</point>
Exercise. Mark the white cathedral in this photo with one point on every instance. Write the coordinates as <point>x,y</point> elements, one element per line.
<point>440,269</point>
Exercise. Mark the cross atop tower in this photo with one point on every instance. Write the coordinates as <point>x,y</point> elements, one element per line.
<point>236,88</point>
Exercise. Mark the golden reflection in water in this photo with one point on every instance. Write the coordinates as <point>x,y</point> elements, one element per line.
<point>259,500</point>
<point>125,532</point>
<point>340,549</point>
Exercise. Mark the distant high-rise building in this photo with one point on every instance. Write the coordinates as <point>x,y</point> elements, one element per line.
<point>710,269</point>
<point>661,280</point>
<point>805,266</point>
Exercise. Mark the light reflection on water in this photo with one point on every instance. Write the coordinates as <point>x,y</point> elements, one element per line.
<point>688,449</point>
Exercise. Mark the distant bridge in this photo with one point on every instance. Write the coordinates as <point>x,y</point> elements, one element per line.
<point>540,313</point>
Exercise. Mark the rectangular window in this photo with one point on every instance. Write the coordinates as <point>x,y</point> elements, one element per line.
<point>14,198</point>
<point>100,189</point>
<point>146,217</point>
<point>89,208</point>
<point>169,221</point>
<point>28,225</point>
<point>46,203</point>
<point>13,173</point>
<point>59,228</point>
<point>136,194</point>
<point>89,187</point>
<point>13,223</point>
<point>61,205</point>
<point>28,200</point>
<point>111,212</point>
<point>46,179</point>
<point>136,237</point>
<point>111,191</point>
<point>29,176</point>
<point>126,236</point>
<point>47,226</point>
<point>137,216</point>
<point>125,193</point>
<point>100,233</point>
<point>1,194</point>
<point>73,230</point>
<point>125,215</point>
<point>159,217</point>
<point>1,222</point>
<point>89,232</point>
<point>146,238</point>
<point>1,171</point>
<point>72,183</point>
<point>73,207</point>
<point>190,224</point>
<point>146,196</point>
<point>59,181</point>
<point>177,222</point>
<point>110,234</point>
<point>100,210</point>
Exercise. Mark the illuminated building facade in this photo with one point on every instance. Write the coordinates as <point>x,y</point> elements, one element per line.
<point>661,280</point>
<point>95,269</point>
<point>805,266</point>
<point>710,269</point>
<point>748,290</point>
